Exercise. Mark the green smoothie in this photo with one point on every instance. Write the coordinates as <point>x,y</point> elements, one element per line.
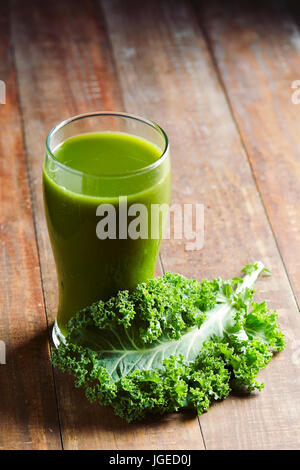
<point>84,172</point>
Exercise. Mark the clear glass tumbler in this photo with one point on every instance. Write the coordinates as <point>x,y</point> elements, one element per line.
<point>92,266</point>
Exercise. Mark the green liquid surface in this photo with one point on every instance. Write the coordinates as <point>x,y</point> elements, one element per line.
<point>107,153</point>
<point>88,268</point>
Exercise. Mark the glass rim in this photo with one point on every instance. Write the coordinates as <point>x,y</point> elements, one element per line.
<point>78,117</point>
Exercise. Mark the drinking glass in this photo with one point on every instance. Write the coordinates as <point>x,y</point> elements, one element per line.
<point>91,266</point>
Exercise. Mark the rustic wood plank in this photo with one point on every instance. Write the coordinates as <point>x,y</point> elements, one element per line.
<point>256,48</point>
<point>167,74</point>
<point>65,67</point>
<point>28,412</point>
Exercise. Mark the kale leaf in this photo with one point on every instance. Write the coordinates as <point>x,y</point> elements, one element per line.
<point>172,343</point>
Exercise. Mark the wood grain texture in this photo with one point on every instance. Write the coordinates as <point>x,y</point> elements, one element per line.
<point>65,67</point>
<point>63,71</point>
<point>28,412</point>
<point>167,74</point>
<point>256,48</point>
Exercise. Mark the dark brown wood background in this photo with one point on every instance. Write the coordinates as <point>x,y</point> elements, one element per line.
<point>217,76</point>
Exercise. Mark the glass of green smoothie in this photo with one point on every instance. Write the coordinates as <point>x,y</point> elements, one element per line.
<point>103,175</point>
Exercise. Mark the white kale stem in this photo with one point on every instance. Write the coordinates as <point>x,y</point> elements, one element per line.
<point>250,279</point>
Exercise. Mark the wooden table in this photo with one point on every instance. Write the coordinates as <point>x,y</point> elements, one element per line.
<point>219,80</point>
